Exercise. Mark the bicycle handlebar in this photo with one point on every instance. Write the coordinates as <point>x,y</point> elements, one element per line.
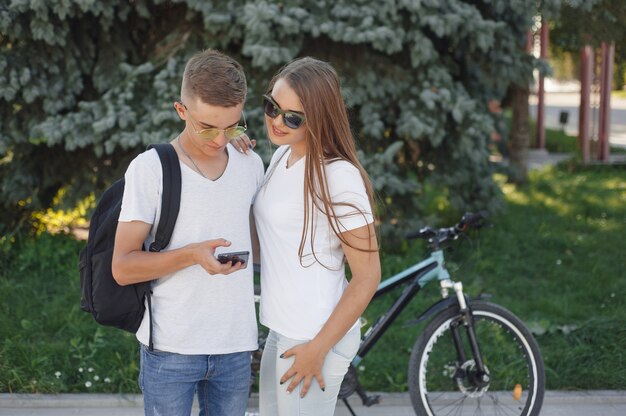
<point>437,236</point>
<point>471,220</point>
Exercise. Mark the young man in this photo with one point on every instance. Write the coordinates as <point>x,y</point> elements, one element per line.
<point>204,323</point>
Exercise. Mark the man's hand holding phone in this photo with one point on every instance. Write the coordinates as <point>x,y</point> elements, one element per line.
<point>204,255</point>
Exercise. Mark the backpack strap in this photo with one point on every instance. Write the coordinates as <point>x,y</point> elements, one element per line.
<point>170,205</point>
<point>170,199</point>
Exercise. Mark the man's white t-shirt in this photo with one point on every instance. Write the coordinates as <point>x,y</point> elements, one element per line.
<point>297,299</point>
<point>195,312</point>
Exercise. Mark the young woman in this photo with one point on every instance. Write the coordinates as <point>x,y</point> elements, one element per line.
<point>313,213</point>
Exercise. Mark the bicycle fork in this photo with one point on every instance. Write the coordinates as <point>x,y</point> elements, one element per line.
<point>478,374</point>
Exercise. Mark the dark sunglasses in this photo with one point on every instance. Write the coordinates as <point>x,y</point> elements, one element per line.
<point>292,119</point>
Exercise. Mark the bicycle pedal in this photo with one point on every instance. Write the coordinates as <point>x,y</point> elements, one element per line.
<point>371,400</point>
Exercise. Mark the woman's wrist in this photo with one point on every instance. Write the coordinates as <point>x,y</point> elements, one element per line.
<point>322,345</point>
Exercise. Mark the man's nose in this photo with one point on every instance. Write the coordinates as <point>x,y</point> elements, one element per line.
<point>221,139</point>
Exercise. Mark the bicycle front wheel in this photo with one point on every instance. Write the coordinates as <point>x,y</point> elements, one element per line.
<point>443,377</point>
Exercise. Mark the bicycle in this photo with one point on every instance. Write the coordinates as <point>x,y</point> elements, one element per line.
<point>472,356</point>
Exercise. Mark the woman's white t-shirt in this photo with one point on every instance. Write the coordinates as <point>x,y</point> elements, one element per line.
<point>195,312</point>
<point>299,294</point>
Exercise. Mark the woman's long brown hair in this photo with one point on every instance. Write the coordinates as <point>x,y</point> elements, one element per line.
<point>328,139</point>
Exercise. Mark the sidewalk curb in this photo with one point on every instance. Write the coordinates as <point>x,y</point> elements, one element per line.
<point>587,397</point>
<point>70,400</point>
<point>91,400</point>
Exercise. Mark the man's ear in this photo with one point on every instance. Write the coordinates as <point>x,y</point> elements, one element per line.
<point>180,109</point>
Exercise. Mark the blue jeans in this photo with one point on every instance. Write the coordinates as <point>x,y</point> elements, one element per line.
<point>169,381</point>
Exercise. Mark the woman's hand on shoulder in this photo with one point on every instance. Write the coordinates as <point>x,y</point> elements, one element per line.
<point>243,143</point>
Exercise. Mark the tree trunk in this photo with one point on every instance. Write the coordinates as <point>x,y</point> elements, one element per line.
<point>520,134</point>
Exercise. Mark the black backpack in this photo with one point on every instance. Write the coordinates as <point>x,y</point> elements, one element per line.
<point>109,303</point>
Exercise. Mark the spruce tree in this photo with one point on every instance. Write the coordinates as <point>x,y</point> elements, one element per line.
<point>86,85</point>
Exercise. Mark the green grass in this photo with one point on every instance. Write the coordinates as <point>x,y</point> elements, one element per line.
<point>555,258</point>
<point>47,344</point>
<point>619,94</point>
<point>557,141</point>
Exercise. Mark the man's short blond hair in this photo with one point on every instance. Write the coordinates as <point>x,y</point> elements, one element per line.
<point>215,79</point>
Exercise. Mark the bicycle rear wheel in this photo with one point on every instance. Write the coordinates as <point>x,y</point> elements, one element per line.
<point>439,384</point>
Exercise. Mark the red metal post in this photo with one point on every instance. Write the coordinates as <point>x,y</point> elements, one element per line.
<point>585,101</point>
<point>543,54</point>
<point>606,77</point>
<point>530,40</point>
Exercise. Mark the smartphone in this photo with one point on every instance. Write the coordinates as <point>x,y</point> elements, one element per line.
<point>235,257</point>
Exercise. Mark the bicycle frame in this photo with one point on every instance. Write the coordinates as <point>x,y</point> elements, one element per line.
<point>421,274</point>
<point>453,315</point>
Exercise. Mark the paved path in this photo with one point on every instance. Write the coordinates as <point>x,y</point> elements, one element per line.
<point>584,403</point>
